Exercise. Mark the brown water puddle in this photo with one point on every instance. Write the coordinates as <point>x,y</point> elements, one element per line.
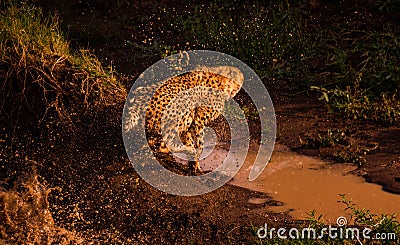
<point>304,183</point>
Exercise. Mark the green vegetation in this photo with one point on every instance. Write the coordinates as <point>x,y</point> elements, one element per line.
<point>347,152</point>
<point>379,223</point>
<point>362,218</point>
<point>268,37</point>
<point>363,74</point>
<point>355,68</point>
<point>350,155</point>
<point>41,75</point>
<point>325,139</point>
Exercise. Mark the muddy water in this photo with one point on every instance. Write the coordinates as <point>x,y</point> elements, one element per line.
<point>304,183</point>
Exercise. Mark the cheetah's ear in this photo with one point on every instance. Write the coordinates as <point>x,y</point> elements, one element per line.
<point>230,72</point>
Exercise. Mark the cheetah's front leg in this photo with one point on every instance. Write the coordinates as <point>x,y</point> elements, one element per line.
<point>192,152</point>
<point>195,140</point>
<point>203,117</point>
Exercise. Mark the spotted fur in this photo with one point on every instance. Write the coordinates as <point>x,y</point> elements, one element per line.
<point>210,86</point>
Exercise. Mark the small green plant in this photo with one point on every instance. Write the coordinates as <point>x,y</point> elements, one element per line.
<point>331,138</point>
<point>383,223</point>
<point>350,155</point>
<point>363,218</point>
<point>250,111</point>
<point>167,50</point>
<point>387,109</point>
<point>315,221</point>
<point>354,102</point>
<point>325,139</point>
<point>350,101</point>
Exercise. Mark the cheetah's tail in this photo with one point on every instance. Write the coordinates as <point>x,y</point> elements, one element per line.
<point>135,108</point>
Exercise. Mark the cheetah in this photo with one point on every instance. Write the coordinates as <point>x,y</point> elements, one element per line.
<point>182,107</point>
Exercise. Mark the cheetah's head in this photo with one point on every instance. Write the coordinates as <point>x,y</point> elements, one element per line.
<point>230,72</point>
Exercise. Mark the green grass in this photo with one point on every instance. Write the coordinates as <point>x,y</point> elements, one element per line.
<point>354,67</point>
<point>351,155</point>
<point>40,74</point>
<point>346,153</point>
<point>356,103</point>
<point>325,139</point>
<point>268,37</point>
<point>383,223</point>
<point>362,74</point>
<point>362,218</point>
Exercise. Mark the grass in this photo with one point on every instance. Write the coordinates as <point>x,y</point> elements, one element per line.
<point>362,80</point>
<point>355,68</point>
<point>325,139</point>
<point>350,155</point>
<point>362,218</point>
<point>268,37</point>
<point>346,153</point>
<point>356,103</point>
<point>40,74</point>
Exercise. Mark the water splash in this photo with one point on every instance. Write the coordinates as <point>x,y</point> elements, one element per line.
<point>26,218</point>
